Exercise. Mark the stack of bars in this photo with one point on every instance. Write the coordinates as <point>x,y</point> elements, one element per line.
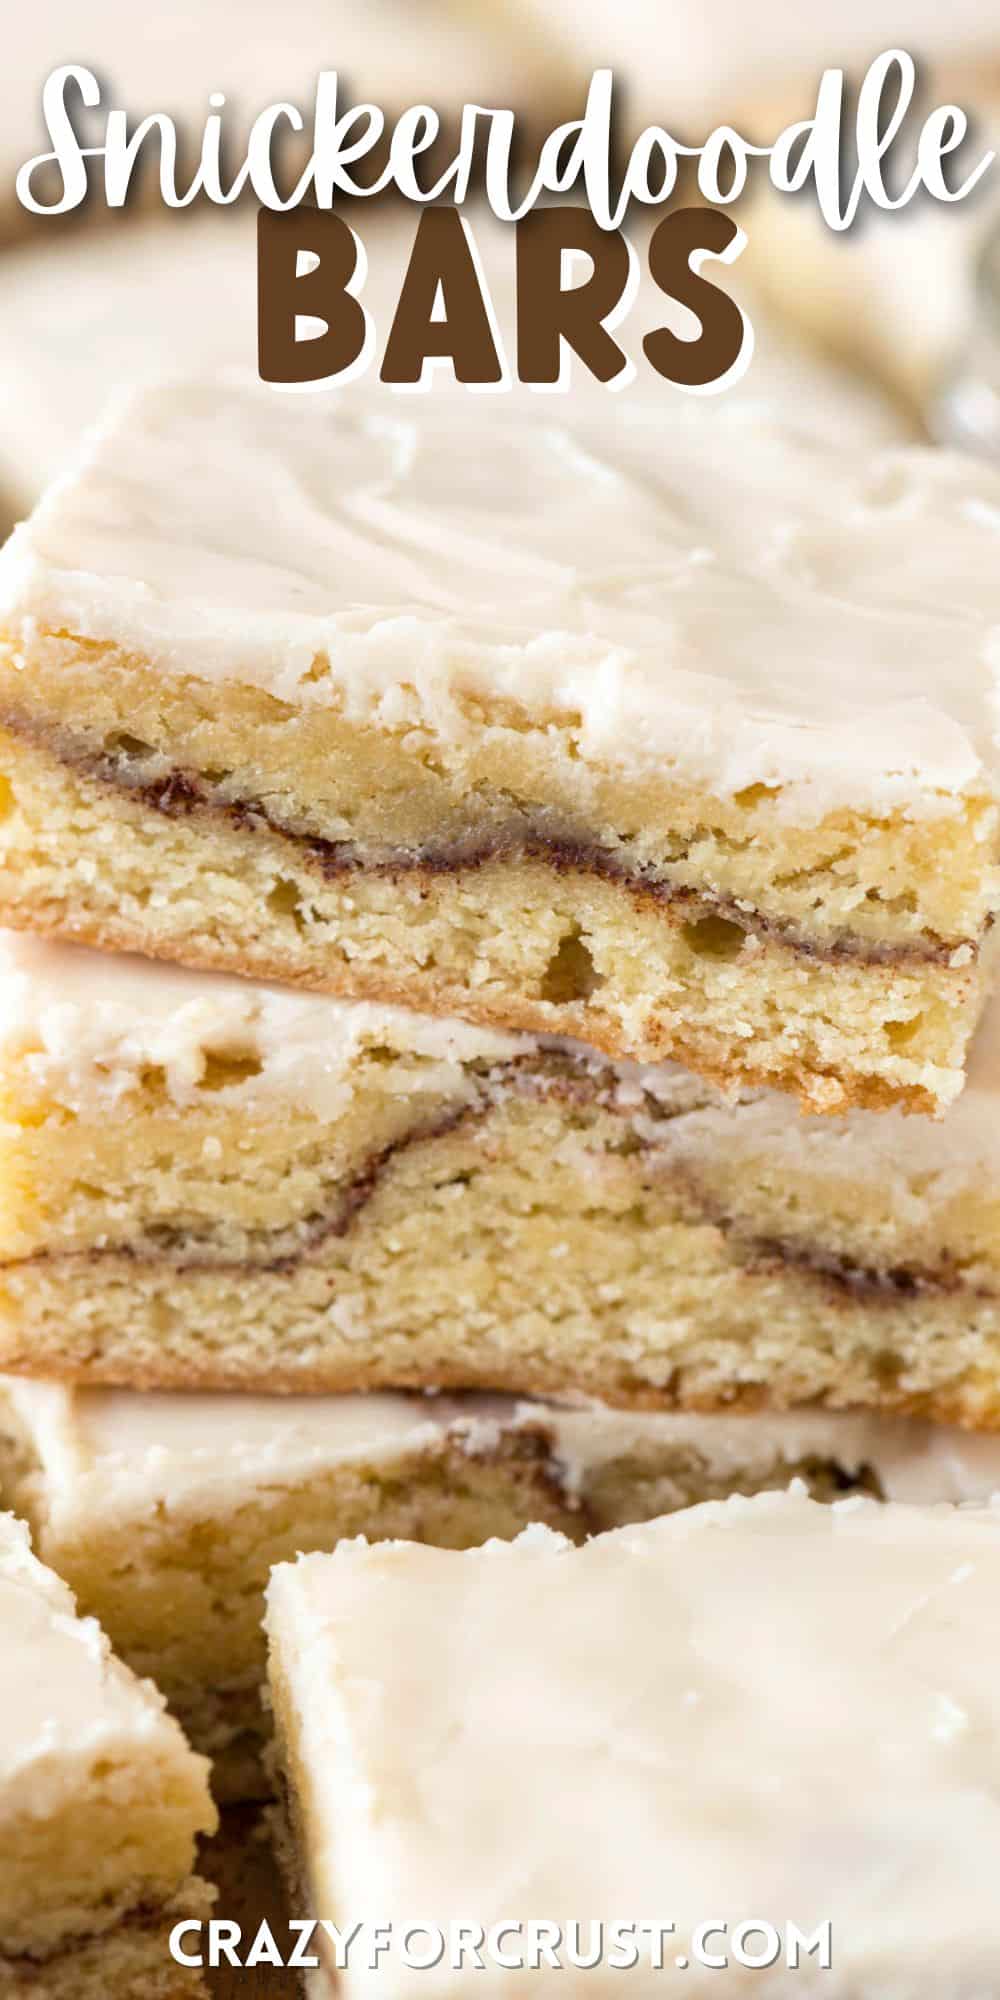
<point>494,1029</point>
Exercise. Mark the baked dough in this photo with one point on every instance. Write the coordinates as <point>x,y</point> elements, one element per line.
<point>169,1539</point>
<point>693,757</point>
<point>101,1803</point>
<point>209,1183</point>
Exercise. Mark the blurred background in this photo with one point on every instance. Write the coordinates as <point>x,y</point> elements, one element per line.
<point>905,302</point>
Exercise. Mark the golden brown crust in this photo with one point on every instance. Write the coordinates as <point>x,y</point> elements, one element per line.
<point>594,953</point>
<point>185,794</point>
<point>819,1092</point>
<point>977,1410</point>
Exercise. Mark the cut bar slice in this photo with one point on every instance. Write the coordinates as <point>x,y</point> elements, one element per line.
<point>101,1803</point>
<point>207,1183</point>
<point>166,1514</point>
<point>670,728</point>
<point>169,1539</point>
<point>758,1712</point>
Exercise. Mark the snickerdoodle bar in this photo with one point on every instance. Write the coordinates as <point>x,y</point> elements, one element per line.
<point>101,1804</point>
<point>665,726</point>
<point>210,1183</point>
<point>166,1513</point>
<point>756,1721</point>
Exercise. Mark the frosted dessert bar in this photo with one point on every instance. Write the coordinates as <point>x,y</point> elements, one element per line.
<point>743,1702</point>
<point>101,1803</point>
<point>169,1540</point>
<point>166,1513</point>
<point>216,1184</point>
<point>670,728</point>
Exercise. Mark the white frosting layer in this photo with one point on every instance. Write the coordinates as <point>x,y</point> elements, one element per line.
<point>129,303</point>
<point>762,1709</point>
<point>914,1462</point>
<point>109,1453</point>
<point>66,1703</point>
<point>121,304</point>
<point>81,1028</point>
<point>704,588</point>
<point>114,1455</point>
